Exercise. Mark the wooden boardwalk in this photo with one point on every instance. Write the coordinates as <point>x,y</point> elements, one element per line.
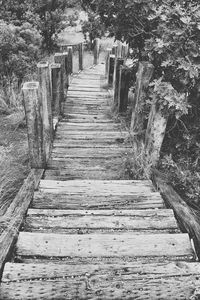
<point>88,234</point>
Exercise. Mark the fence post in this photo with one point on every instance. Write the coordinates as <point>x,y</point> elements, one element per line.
<point>119,49</point>
<point>155,133</point>
<point>118,62</point>
<point>96,50</point>
<point>80,54</point>
<point>144,75</point>
<point>66,69</point>
<point>114,50</point>
<point>59,58</point>
<point>32,106</point>
<point>70,60</point>
<point>56,89</point>
<point>111,69</point>
<point>46,100</point>
<point>108,53</point>
<point>124,81</point>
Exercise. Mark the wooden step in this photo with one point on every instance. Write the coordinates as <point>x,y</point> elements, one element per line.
<point>81,118</point>
<point>98,187</point>
<point>96,194</point>
<point>153,281</point>
<point>62,126</point>
<point>104,245</point>
<point>66,201</point>
<point>104,221</point>
<point>89,152</point>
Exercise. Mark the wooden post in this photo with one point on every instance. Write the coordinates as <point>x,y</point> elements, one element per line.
<point>59,58</point>
<point>56,89</point>
<point>155,133</point>
<point>96,51</point>
<point>144,75</point>
<point>46,99</point>
<point>124,81</point>
<point>66,69</point>
<point>32,106</point>
<point>108,52</point>
<point>119,62</point>
<point>125,49</point>
<point>119,49</point>
<point>114,50</point>
<point>111,69</point>
<point>80,53</point>
<point>70,60</point>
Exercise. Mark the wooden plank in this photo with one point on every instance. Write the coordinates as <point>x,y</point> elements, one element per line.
<point>68,174</point>
<point>12,219</point>
<point>88,126</point>
<point>89,152</point>
<point>160,221</point>
<point>103,245</point>
<point>174,281</point>
<point>94,134</point>
<point>47,200</point>
<point>74,165</point>
<point>187,217</point>
<point>78,118</point>
<point>89,144</point>
<point>100,187</point>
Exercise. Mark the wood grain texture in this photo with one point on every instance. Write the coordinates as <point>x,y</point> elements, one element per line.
<point>105,221</point>
<point>174,280</point>
<point>103,245</point>
<point>95,201</point>
<point>13,217</point>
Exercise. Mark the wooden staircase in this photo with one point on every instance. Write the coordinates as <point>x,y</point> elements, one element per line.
<point>88,234</point>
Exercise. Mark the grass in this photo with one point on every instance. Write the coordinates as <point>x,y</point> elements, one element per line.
<point>14,162</point>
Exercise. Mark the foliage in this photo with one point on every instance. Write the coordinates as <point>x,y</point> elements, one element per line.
<point>18,55</point>
<point>93,28</point>
<point>50,20</point>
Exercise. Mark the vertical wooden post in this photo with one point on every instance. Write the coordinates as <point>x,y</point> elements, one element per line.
<point>66,69</point>
<point>108,52</point>
<point>60,59</point>
<point>124,50</point>
<point>46,99</point>
<point>155,133</point>
<point>144,75</point>
<point>32,106</point>
<point>119,49</point>
<point>111,69</point>
<point>96,51</point>
<point>80,53</point>
<point>124,81</point>
<point>70,60</point>
<point>56,89</point>
<point>114,50</point>
<point>119,62</point>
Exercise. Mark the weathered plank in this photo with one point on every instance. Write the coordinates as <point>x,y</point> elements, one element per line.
<point>13,217</point>
<point>100,221</point>
<point>188,218</point>
<point>80,118</point>
<point>101,187</point>
<point>103,245</point>
<point>69,174</point>
<point>165,281</point>
<point>48,200</point>
<point>88,152</point>
<point>88,126</point>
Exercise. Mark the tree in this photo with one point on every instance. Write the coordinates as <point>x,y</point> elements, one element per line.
<point>50,19</point>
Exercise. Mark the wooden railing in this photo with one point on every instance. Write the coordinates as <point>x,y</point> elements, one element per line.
<point>119,76</point>
<point>44,100</point>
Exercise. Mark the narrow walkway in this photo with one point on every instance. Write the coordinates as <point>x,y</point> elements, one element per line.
<point>88,234</point>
